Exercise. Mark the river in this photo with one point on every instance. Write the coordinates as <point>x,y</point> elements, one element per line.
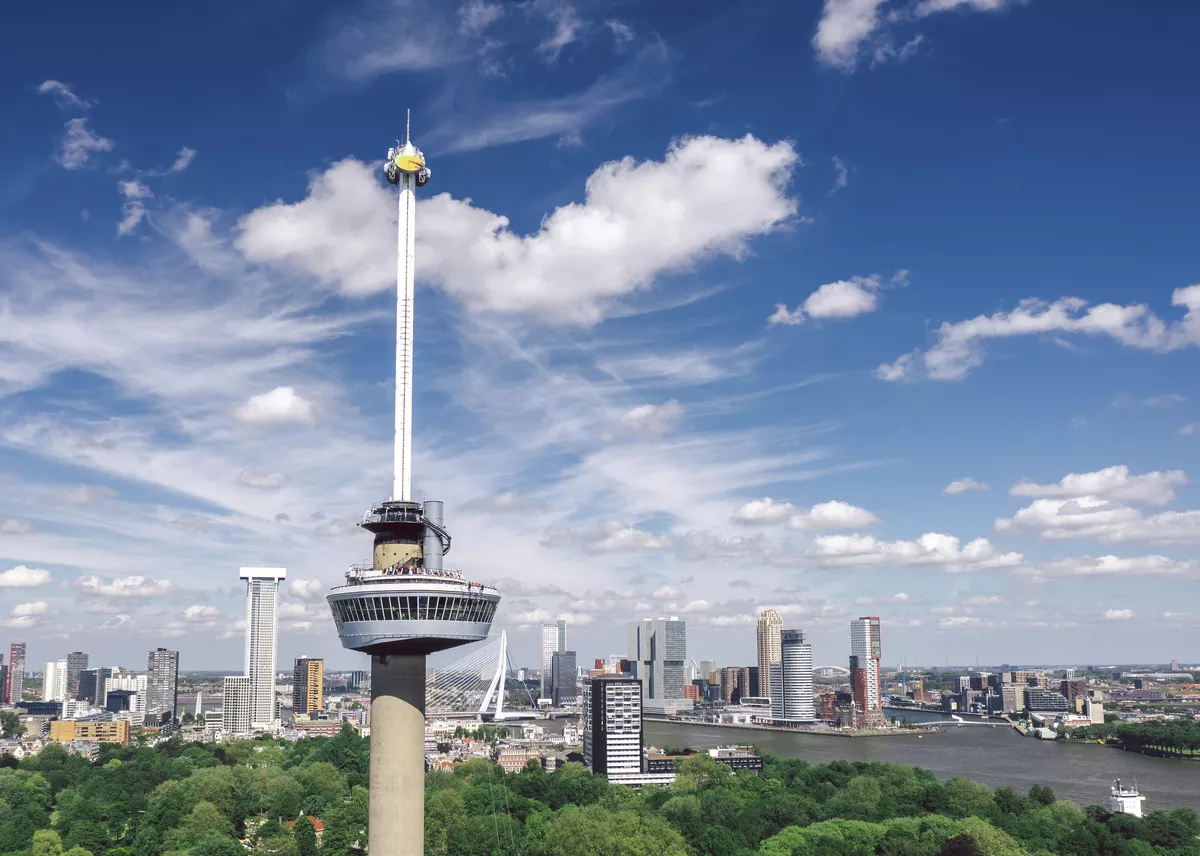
<point>993,756</point>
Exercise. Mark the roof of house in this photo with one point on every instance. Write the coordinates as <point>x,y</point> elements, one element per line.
<point>318,824</point>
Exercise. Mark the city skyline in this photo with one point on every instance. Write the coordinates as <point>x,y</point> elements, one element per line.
<point>942,374</point>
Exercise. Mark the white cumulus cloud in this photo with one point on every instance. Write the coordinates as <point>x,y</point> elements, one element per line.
<point>610,536</point>
<point>1093,517</point>
<point>36,607</point>
<point>23,577</point>
<point>964,485</point>
<point>1153,488</point>
<point>932,548</point>
<point>1118,614</point>
<point>637,222</point>
<point>960,345</point>
<point>280,405</point>
<point>132,586</point>
<point>649,420</point>
<point>845,298</point>
<point>306,589</point>
<point>824,515</point>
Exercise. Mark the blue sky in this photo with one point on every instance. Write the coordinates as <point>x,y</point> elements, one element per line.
<point>855,307</point>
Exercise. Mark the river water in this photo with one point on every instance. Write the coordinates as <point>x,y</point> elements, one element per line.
<point>993,756</point>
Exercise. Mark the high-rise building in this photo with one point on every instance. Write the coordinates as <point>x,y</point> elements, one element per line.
<point>3,681</point>
<point>612,726</point>
<point>77,661</point>
<point>15,688</point>
<point>237,710</point>
<point>54,681</point>
<point>866,680</point>
<point>792,679</point>
<point>162,691</point>
<point>554,638</point>
<point>770,626</point>
<point>735,683</point>
<point>308,691</point>
<point>1013,697</point>
<point>125,681</point>
<point>708,668</point>
<point>93,684</point>
<point>563,678</point>
<point>262,596</point>
<point>658,647</point>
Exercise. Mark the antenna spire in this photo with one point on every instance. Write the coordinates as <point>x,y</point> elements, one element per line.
<point>407,126</point>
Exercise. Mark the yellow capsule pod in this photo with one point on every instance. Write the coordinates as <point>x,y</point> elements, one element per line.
<point>409,163</point>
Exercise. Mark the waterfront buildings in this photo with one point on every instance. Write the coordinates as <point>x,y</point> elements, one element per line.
<point>658,649</point>
<point>866,680</point>
<point>564,678</point>
<point>792,679</point>
<point>262,597</point>
<point>15,688</point>
<point>554,639</point>
<point>54,681</point>
<point>162,686</point>
<point>238,709</point>
<point>308,693</point>
<point>770,628</point>
<point>77,661</point>
<point>735,683</point>
<point>1040,699</point>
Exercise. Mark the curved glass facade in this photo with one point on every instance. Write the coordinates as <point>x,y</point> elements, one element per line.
<point>414,608</point>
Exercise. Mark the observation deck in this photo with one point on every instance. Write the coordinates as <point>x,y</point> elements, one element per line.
<point>404,602</point>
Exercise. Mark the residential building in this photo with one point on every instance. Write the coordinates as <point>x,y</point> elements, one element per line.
<point>90,731</point>
<point>3,681</point>
<point>1038,699</point>
<point>866,680</point>
<point>162,686</point>
<point>564,678</point>
<point>962,682</point>
<point>93,686</point>
<point>308,692</point>
<point>708,668</point>
<point>54,681</point>
<point>77,661</point>
<point>554,639</point>
<point>658,649</point>
<point>612,731</point>
<point>513,760</point>
<point>792,679</point>
<point>770,626</point>
<point>735,683</point>
<point>237,714</point>
<point>262,596</point>
<point>14,689</point>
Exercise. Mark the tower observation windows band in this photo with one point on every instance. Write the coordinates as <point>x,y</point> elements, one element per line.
<point>416,608</point>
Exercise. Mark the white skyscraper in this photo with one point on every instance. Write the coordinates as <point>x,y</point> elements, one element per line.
<point>54,681</point>
<point>792,679</point>
<point>262,597</point>
<point>554,639</point>
<point>236,709</point>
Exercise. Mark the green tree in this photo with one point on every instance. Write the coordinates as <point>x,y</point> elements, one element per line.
<point>443,810</point>
<point>592,830</point>
<point>46,843</point>
<point>306,837</point>
<point>10,723</point>
<point>1042,794</point>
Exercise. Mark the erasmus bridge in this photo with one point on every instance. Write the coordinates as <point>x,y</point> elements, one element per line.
<point>479,685</point>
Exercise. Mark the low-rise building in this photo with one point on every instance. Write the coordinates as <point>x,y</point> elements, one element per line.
<point>68,731</point>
